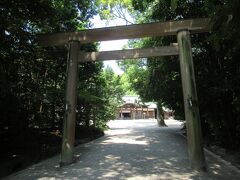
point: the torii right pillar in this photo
(194, 133)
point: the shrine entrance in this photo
(181, 29)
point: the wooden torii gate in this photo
(181, 29)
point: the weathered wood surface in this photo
(126, 32)
(128, 54)
(69, 121)
(194, 134)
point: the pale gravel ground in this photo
(131, 149)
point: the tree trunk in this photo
(160, 115)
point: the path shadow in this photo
(129, 153)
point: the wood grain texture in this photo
(128, 54)
(191, 107)
(126, 32)
(69, 122)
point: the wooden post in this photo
(69, 123)
(121, 117)
(147, 113)
(194, 134)
(134, 113)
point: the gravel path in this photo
(131, 149)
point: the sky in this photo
(110, 45)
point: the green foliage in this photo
(174, 4)
(32, 78)
(216, 64)
(112, 95)
(126, 85)
(216, 59)
(112, 9)
(99, 97)
(134, 75)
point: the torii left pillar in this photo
(69, 121)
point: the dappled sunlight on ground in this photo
(136, 149)
(125, 140)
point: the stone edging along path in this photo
(227, 163)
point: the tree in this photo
(32, 80)
(112, 9)
(216, 63)
(215, 57)
(138, 72)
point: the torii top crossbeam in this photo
(126, 32)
